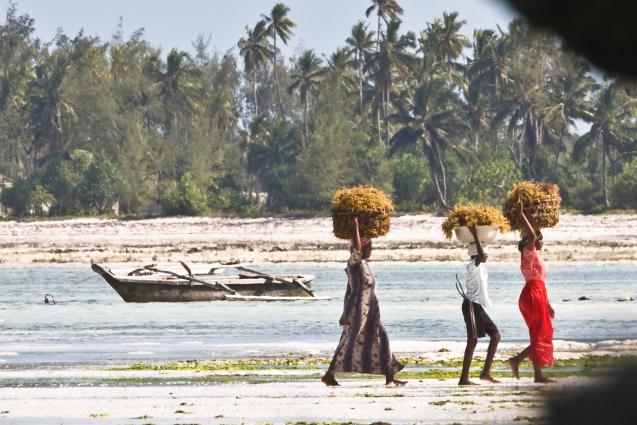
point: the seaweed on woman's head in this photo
(372, 207)
(473, 215)
(540, 201)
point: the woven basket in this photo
(542, 212)
(372, 207)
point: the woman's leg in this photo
(514, 362)
(539, 378)
(466, 363)
(488, 362)
(389, 379)
(329, 379)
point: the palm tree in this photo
(613, 119)
(278, 25)
(488, 68)
(49, 110)
(526, 104)
(486, 72)
(393, 56)
(360, 42)
(444, 44)
(176, 80)
(386, 10)
(255, 51)
(571, 88)
(340, 64)
(431, 117)
(444, 38)
(306, 77)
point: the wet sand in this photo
(277, 390)
(421, 401)
(412, 238)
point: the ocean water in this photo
(90, 323)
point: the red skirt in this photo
(534, 307)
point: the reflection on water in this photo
(90, 322)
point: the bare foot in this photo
(544, 380)
(466, 382)
(489, 378)
(329, 380)
(397, 383)
(515, 367)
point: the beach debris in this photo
(583, 298)
(566, 300)
(371, 206)
(466, 215)
(444, 350)
(540, 202)
(48, 299)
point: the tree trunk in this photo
(254, 94)
(276, 79)
(386, 110)
(380, 137)
(360, 83)
(378, 35)
(305, 122)
(604, 190)
(438, 174)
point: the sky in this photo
(321, 24)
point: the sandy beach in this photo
(421, 401)
(288, 390)
(281, 385)
(412, 238)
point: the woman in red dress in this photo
(534, 305)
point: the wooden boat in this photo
(153, 283)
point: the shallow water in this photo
(90, 322)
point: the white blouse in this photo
(477, 284)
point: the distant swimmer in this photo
(48, 299)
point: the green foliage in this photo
(489, 182)
(625, 188)
(98, 189)
(26, 197)
(185, 197)
(411, 181)
(86, 122)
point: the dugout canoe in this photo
(152, 283)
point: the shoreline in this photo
(280, 391)
(412, 238)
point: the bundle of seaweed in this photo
(540, 203)
(372, 207)
(473, 215)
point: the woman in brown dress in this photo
(364, 346)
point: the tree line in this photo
(433, 118)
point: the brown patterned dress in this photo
(364, 346)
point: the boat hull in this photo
(136, 290)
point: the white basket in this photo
(486, 234)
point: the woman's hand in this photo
(551, 312)
(343, 320)
(355, 221)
